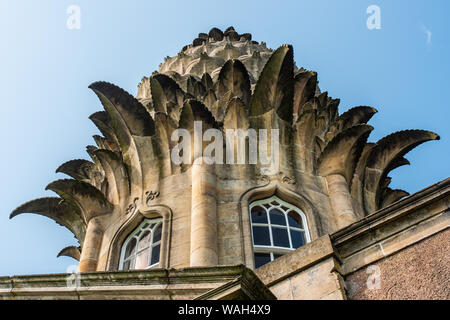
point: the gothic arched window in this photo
(141, 250)
(277, 228)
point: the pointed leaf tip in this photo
(275, 86)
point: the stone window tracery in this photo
(141, 249)
(277, 228)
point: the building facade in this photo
(177, 202)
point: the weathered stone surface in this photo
(143, 284)
(326, 168)
(308, 273)
(246, 287)
(296, 261)
(390, 230)
(320, 281)
(425, 273)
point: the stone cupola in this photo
(200, 212)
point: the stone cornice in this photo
(393, 228)
(246, 287)
(142, 284)
(400, 208)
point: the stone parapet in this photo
(308, 273)
(164, 284)
(394, 228)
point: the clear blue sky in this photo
(46, 68)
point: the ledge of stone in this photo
(296, 261)
(185, 283)
(418, 200)
(393, 228)
(396, 243)
(246, 287)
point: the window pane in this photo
(126, 265)
(155, 254)
(157, 234)
(277, 255)
(297, 238)
(277, 217)
(295, 220)
(259, 215)
(280, 237)
(144, 240)
(142, 259)
(131, 248)
(129, 264)
(261, 236)
(261, 259)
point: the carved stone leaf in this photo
(71, 251)
(234, 77)
(383, 155)
(207, 81)
(165, 125)
(128, 116)
(390, 196)
(236, 115)
(220, 106)
(102, 122)
(305, 128)
(275, 86)
(91, 201)
(159, 99)
(58, 210)
(210, 99)
(342, 153)
(100, 141)
(305, 84)
(194, 110)
(195, 88)
(357, 183)
(116, 173)
(353, 117)
(77, 169)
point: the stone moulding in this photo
(278, 189)
(246, 287)
(311, 272)
(153, 211)
(393, 228)
(297, 261)
(415, 201)
(142, 284)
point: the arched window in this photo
(142, 248)
(277, 228)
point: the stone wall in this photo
(234, 244)
(319, 282)
(154, 284)
(421, 271)
(311, 272)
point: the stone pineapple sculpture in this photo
(227, 81)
